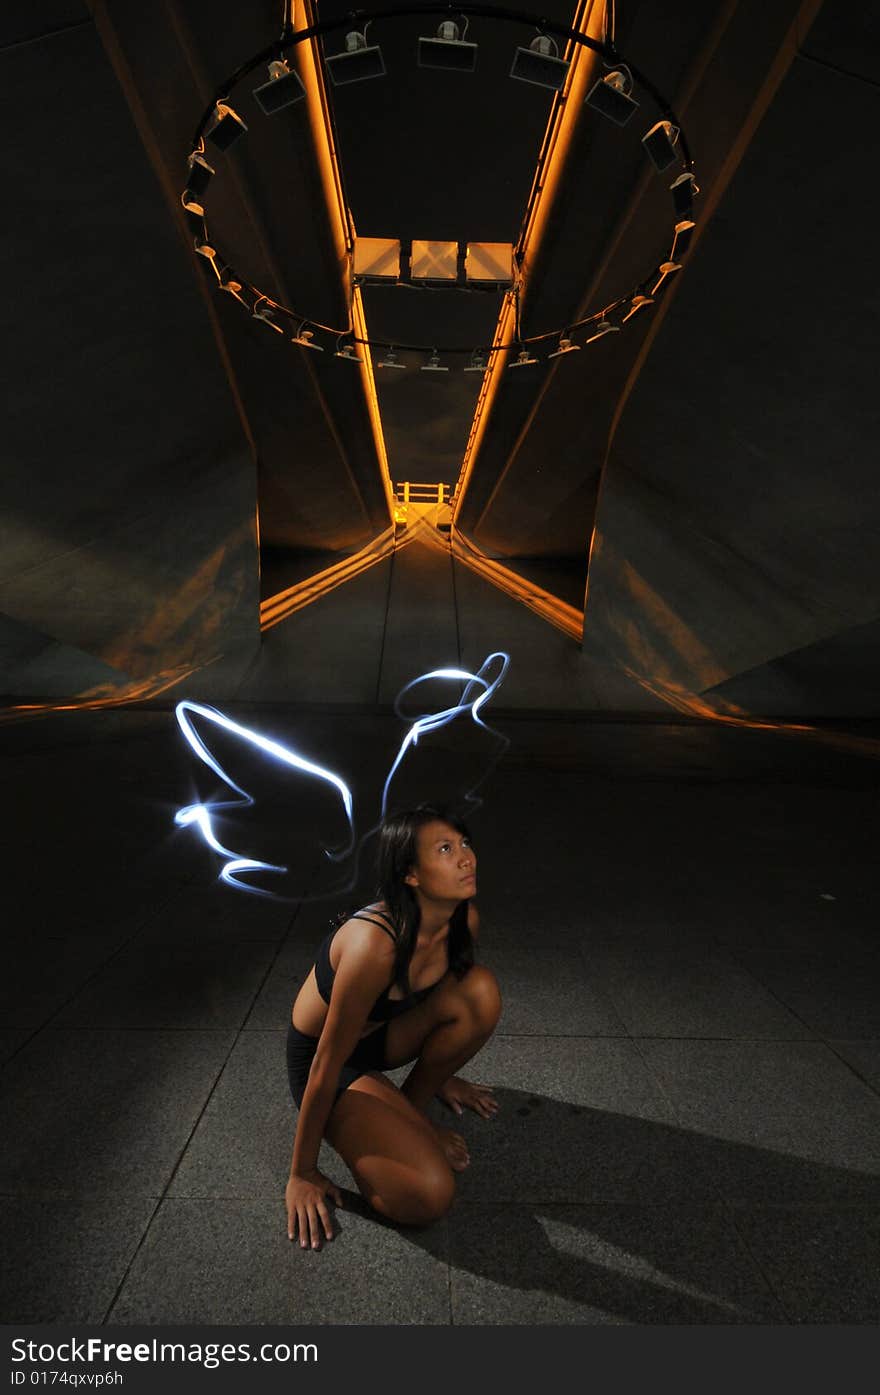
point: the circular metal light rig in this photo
(612, 96)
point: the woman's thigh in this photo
(452, 996)
(391, 1150)
(373, 1115)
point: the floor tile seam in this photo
(756, 1261)
(295, 912)
(186, 1143)
(720, 1204)
(727, 1205)
(94, 974)
(874, 1088)
(684, 1124)
(135, 1027)
(218, 942)
(817, 1036)
(627, 1035)
(182, 1152)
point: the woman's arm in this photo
(365, 969)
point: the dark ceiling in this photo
(713, 462)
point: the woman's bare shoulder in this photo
(366, 931)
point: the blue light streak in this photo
(200, 814)
(478, 689)
(432, 721)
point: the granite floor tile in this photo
(203, 914)
(291, 966)
(835, 993)
(863, 1056)
(598, 1265)
(92, 1113)
(824, 1263)
(231, 1262)
(64, 1260)
(183, 986)
(775, 1120)
(680, 993)
(580, 1120)
(11, 1038)
(548, 987)
(40, 978)
(243, 1142)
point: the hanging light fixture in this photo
(665, 272)
(684, 231)
(231, 282)
(459, 263)
(522, 359)
(305, 338)
(199, 177)
(565, 347)
(348, 350)
(390, 360)
(660, 143)
(684, 190)
(610, 96)
(357, 63)
(477, 363)
(638, 302)
(448, 49)
(226, 128)
(603, 327)
(264, 311)
(540, 64)
(282, 90)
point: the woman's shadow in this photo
(615, 1214)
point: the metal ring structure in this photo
(191, 198)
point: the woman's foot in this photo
(455, 1150)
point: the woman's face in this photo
(446, 864)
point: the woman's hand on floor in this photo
(460, 1094)
(307, 1209)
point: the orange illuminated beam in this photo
(96, 699)
(312, 77)
(564, 114)
(564, 617)
(284, 603)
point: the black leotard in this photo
(384, 1007)
(369, 1053)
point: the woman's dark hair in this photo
(397, 855)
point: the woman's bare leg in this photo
(391, 1151)
(399, 1160)
(450, 1028)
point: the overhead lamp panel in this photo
(660, 143)
(611, 96)
(377, 258)
(226, 127)
(540, 64)
(358, 61)
(448, 50)
(489, 261)
(282, 90)
(434, 261)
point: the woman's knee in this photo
(483, 996)
(425, 1198)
